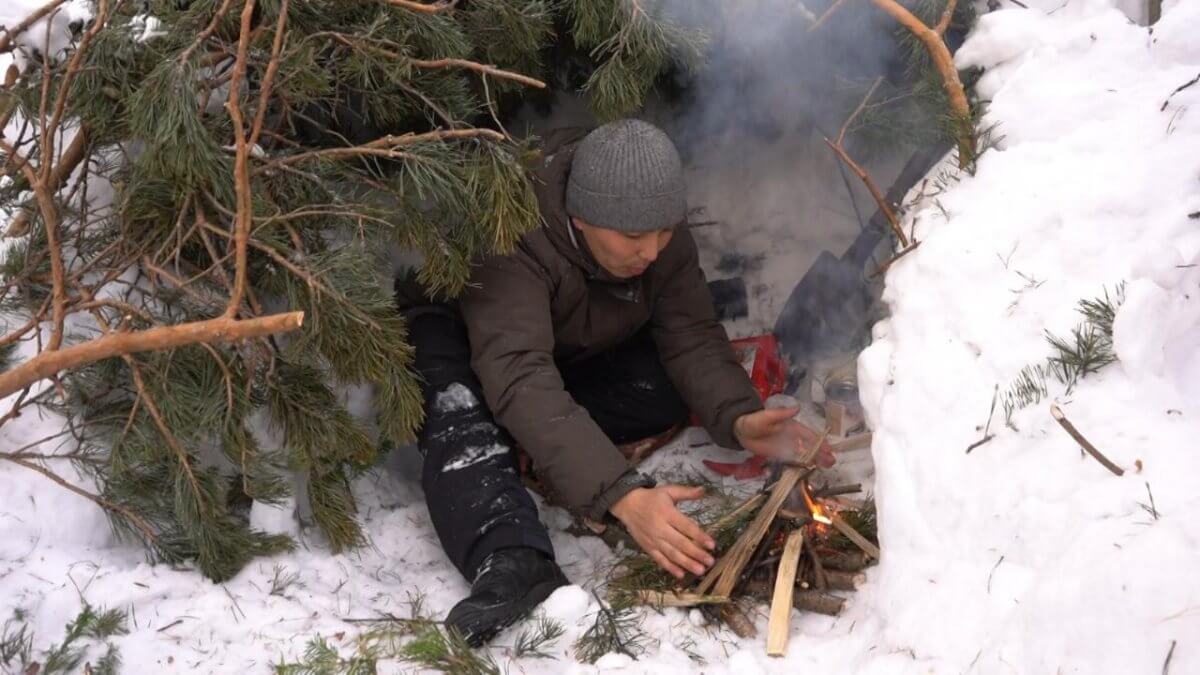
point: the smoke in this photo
(767, 194)
(751, 123)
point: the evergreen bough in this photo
(233, 161)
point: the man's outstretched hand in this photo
(672, 539)
(773, 434)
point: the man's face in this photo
(623, 254)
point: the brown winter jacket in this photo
(549, 301)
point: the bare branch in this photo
(947, 16)
(222, 329)
(481, 68)
(134, 519)
(241, 171)
(424, 8)
(268, 79)
(878, 196)
(207, 32)
(7, 43)
(385, 146)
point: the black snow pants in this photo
(471, 477)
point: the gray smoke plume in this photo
(768, 196)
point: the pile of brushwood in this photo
(789, 544)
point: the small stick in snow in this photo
(989, 583)
(1167, 663)
(1152, 509)
(1058, 415)
(1178, 89)
(986, 436)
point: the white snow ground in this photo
(1021, 557)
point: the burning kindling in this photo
(791, 545)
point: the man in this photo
(597, 330)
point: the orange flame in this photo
(817, 511)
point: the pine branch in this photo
(934, 43)
(613, 630)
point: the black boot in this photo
(510, 583)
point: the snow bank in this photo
(1022, 556)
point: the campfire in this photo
(791, 545)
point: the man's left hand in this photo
(773, 434)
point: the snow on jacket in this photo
(549, 301)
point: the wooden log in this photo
(844, 561)
(779, 626)
(835, 490)
(819, 576)
(759, 589)
(816, 601)
(677, 599)
(845, 581)
(853, 535)
(733, 617)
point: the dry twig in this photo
(1057, 413)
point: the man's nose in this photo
(648, 251)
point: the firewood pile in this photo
(790, 545)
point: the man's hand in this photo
(672, 539)
(774, 434)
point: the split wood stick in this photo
(678, 599)
(722, 582)
(746, 506)
(853, 535)
(844, 561)
(855, 442)
(1058, 415)
(845, 581)
(821, 603)
(779, 626)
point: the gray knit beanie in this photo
(626, 175)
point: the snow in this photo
(1021, 557)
